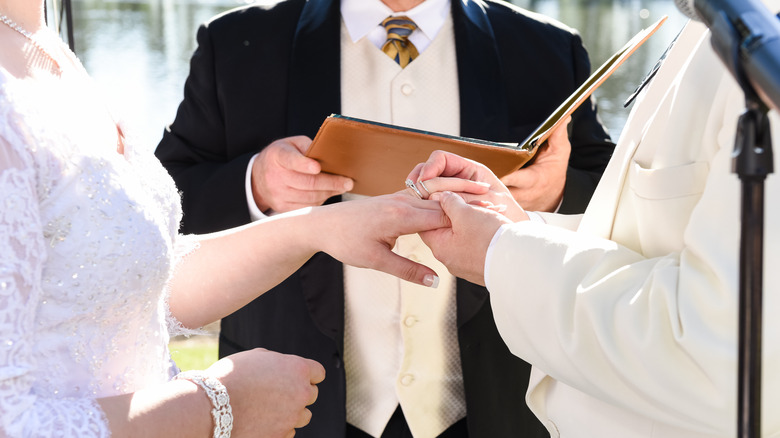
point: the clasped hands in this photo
(476, 204)
(461, 204)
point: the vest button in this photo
(407, 89)
(407, 379)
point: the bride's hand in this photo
(269, 392)
(363, 232)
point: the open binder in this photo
(379, 156)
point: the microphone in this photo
(746, 37)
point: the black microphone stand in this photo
(752, 162)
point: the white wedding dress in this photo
(87, 244)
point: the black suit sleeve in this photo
(193, 149)
(235, 103)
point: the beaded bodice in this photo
(86, 246)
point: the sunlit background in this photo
(138, 51)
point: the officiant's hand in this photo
(539, 187)
(269, 392)
(284, 179)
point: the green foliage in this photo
(196, 353)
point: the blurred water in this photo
(138, 51)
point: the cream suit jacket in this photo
(631, 321)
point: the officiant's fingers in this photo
(301, 142)
(316, 372)
(290, 154)
(303, 419)
(321, 182)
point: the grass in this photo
(195, 352)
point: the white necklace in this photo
(13, 25)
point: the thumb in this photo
(451, 204)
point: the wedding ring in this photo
(414, 188)
(422, 184)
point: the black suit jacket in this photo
(265, 72)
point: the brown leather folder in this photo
(379, 156)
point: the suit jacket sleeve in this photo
(194, 151)
(235, 103)
(647, 323)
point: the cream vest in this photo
(400, 340)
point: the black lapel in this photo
(482, 97)
(315, 67)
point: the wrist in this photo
(215, 391)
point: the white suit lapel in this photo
(599, 217)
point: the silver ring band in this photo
(414, 188)
(422, 184)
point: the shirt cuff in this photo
(254, 211)
(489, 253)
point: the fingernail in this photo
(348, 185)
(431, 281)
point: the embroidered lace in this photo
(87, 243)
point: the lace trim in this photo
(185, 245)
(68, 417)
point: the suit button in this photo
(407, 89)
(407, 379)
(337, 362)
(409, 321)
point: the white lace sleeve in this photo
(23, 412)
(184, 246)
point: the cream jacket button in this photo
(407, 89)
(407, 379)
(410, 321)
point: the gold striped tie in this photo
(398, 47)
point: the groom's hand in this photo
(463, 247)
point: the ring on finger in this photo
(428, 192)
(415, 190)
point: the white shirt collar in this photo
(362, 17)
